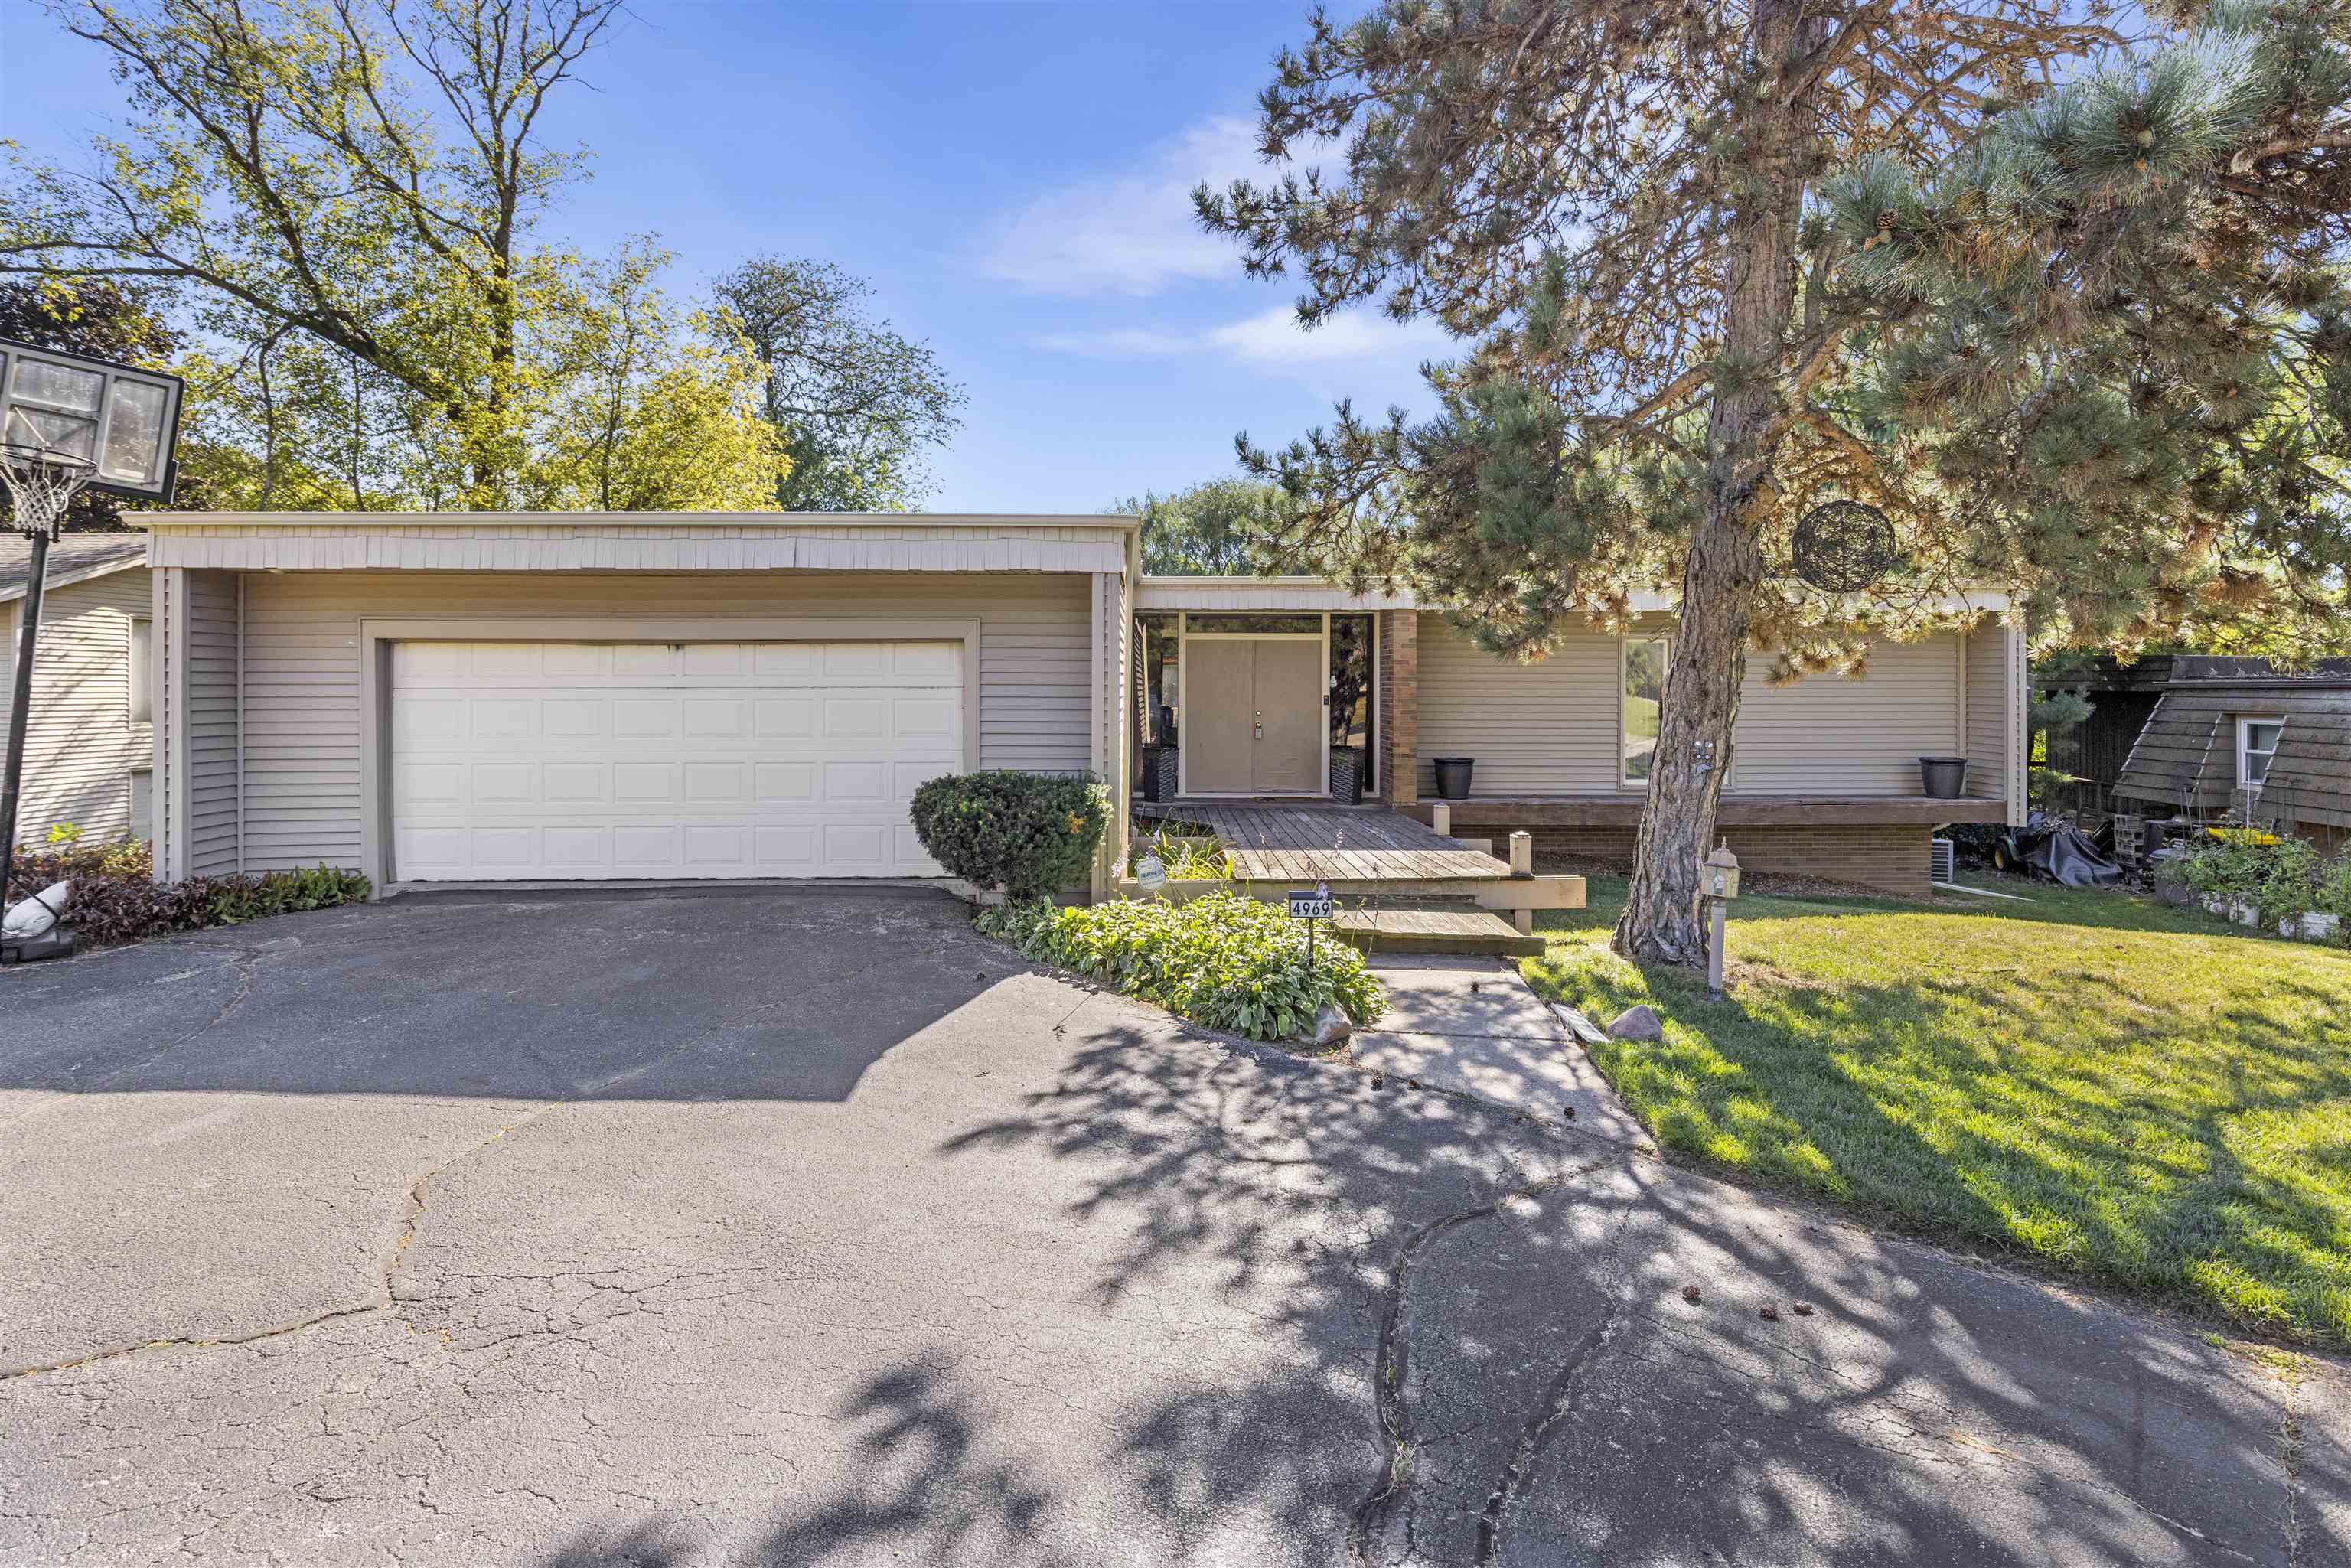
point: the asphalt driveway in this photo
(812, 1229)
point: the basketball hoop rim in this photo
(23, 455)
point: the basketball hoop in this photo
(69, 423)
(42, 483)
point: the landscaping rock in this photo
(1638, 1023)
(1331, 1028)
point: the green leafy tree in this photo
(855, 404)
(1218, 528)
(348, 197)
(1715, 265)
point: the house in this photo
(89, 748)
(2239, 737)
(527, 697)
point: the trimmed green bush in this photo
(1032, 834)
(1221, 959)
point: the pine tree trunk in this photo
(1662, 921)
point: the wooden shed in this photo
(2237, 734)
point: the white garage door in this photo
(516, 760)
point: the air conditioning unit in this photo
(1942, 859)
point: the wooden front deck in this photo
(1346, 846)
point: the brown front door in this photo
(1253, 719)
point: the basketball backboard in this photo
(122, 420)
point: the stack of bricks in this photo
(1890, 857)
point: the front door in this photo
(1254, 719)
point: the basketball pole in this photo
(20, 705)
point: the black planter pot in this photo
(1346, 776)
(1453, 777)
(1943, 777)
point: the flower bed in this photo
(2283, 885)
(116, 899)
(1221, 959)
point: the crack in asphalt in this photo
(244, 962)
(1391, 1362)
(1559, 1404)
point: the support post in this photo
(20, 706)
(1523, 853)
(1440, 817)
(1714, 947)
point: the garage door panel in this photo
(505, 784)
(706, 760)
(639, 783)
(780, 781)
(571, 719)
(644, 719)
(575, 783)
(709, 781)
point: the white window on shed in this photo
(142, 673)
(2257, 744)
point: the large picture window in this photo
(1643, 695)
(2257, 744)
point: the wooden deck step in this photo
(1433, 931)
(1363, 868)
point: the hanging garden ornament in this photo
(1844, 546)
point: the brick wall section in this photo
(1893, 858)
(1400, 706)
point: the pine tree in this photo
(1720, 264)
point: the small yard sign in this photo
(1311, 905)
(1151, 871)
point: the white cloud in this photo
(1132, 233)
(1274, 338)
(1270, 339)
(1119, 343)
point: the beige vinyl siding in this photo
(1830, 735)
(1551, 727)
(80, 745)
(212, 702)
(302, 772)
(1988, 750)
(1545, 728)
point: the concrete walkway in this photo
(1472, 1026)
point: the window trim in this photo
(139, 684)
(1665, 640)
(2245, 723)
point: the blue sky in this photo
(1012, 178)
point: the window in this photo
(1353, 722)
(1256, 625)
(1643, 692)
(142, 671)
(2257, 744)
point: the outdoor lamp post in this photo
(1719, 880)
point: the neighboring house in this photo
(527, 697)
(89, 748)
(2237, 737)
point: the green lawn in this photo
(2131, 1094)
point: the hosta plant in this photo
(1220, 959)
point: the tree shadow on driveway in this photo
(1476, 1347)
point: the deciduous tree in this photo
(1218, 528)
(854, 402)
(349, 196)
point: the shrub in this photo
(1030, 834)
(1221, 959)
(115, 898)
